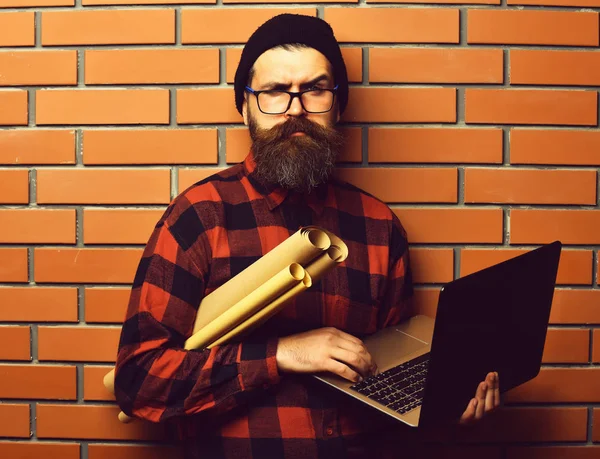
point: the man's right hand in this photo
(325, 349)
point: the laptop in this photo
(495, 319)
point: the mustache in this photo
(285, 130)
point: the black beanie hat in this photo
(290, 29)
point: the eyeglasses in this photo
(276, 101)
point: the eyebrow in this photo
(276, 85)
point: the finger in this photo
(481, 393)
(497, 390)
(343, 371)
(356, 361)
(469, 413)
(360, 350)
(489, 396)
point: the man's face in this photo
(295, 149)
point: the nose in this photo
(296, 108)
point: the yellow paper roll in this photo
(283, 281)
(266, 312)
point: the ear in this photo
(245, 110)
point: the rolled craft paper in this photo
(249, 305)
(301, 247)
(261, 290)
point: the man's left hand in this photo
(486, 400)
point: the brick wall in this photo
(478, 124)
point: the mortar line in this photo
(365, 66)
(221, 146)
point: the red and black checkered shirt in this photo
(231, 401)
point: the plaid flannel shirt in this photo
(231, 401)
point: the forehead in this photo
(290, 66)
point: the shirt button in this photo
(329, 431)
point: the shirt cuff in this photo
(258, 364)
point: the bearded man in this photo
(256, 398)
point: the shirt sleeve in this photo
(398, 303)
(156, 379)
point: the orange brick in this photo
(552, 452)
(102, 106)
(97, 451)
(575, 306)
(352, 150)
(38, 68)
(38, 304)
(530, 186)
(145, 2)
(151, 66)
(28, 3)
(512, 425)
(14, 421)
(91, 422)
(462, 2)
(228, 25)
(17, 29)
(89, 186)
(590, 3)
(150, 146)
(435, 65)
(288, 1)
(89, 344)
(596, 425)
(554, 67)
(106, 305)
(405, 185)
(119, 226)
(188, 177)
(565, 147)
(567, 346)
(559, 385)
(93, 385)
(14, 186)
(196, 106)
(14, 106)
(459, 225)
(37, 226)
(532, 27)
(238, 145)
(529, 106)
(352, 59)
(396, 25)
(419, 105)
(14, 265)
(596, 346)
(425, 301)
(575, 266)
(544, 146)
(101, 266)
(35, 450)
(14, 343)
(55, 382)
(435, 145)
(432, 265)
(541, 226)
(108, 27)
(37, 146)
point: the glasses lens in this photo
(273, 101)
(314, 101)
(317, 100)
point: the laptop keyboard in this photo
(400, 388)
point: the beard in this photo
(299, 163)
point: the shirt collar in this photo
(276, 195)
